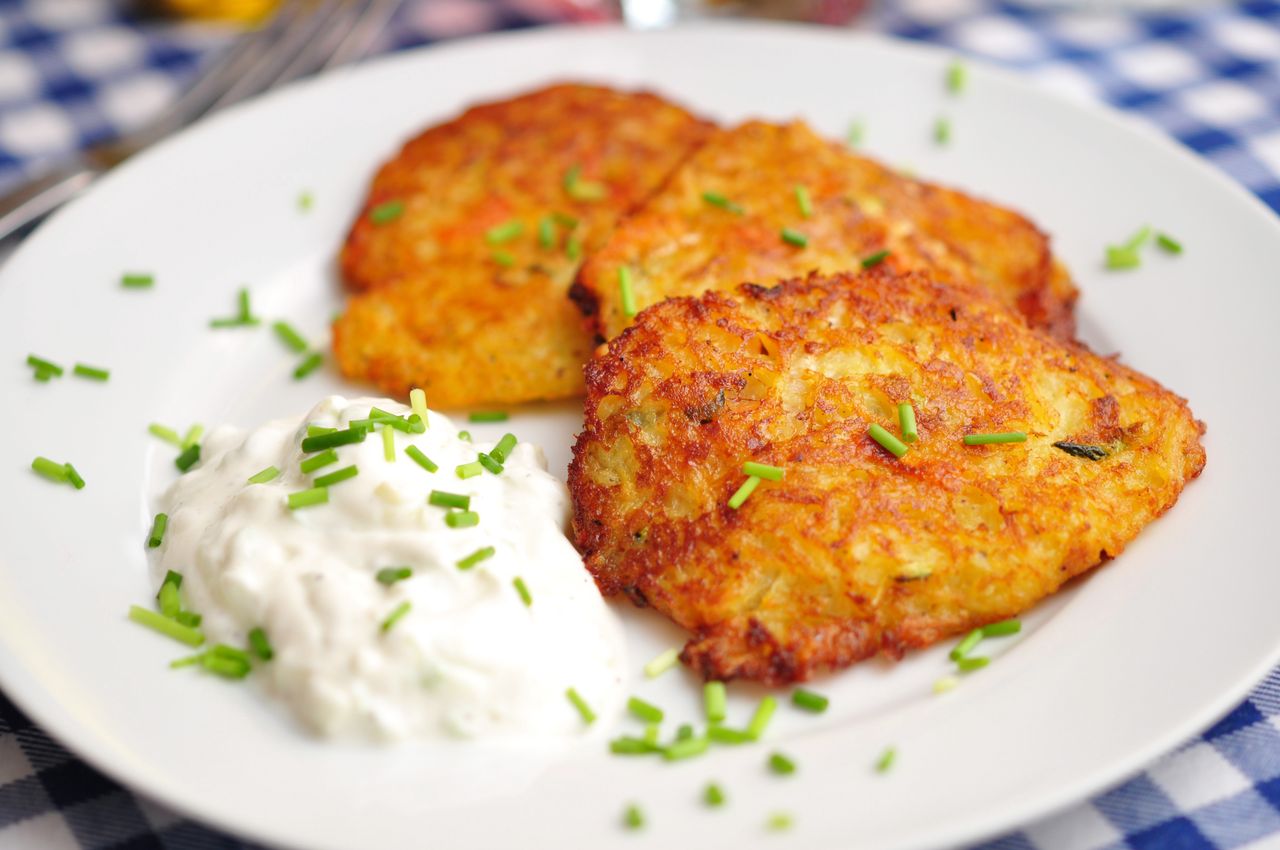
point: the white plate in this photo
(1108, 674)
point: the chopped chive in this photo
(464, 436)
(73, 476)
(227, 668)
(488, 416)
(972, 662)
(629, 745)
(718, 200)
(91, 372)
(565, 220)
(476, 557)
(135, 280)
(394, 616)
(588, 716)
(781, 765)
(627, 292)
(190, 457)
(391, 575)
(489, 463)
(291, 338)
(573, 247)
(990, 439)
(779, 822)
(760, 720)
(242, 298)
(308, 498)
(421, 459)
(443, 499)
(305, 201)
(804, 201)
(316, 461)
(317, 430)
(907, 423)
(684, 732)
(188, 618)
(713, 795)
(1002, 628)
(461, 519)
(333, 439)
(942, 130)
(165, 626)
(688, 748)
(336, 477)
(469, 470)
(744, 491)
(188, 661)
(523, 590)
(194, 433)
(762, 470)
(662, 663)
(503, 258)
(546, 232)
(714, 701)
(887, 441)
(857, 131)
(167, 434)
(260, 645)
(268, 474)
(158, 526)
(43, 375)
(957, 76)
(417, 425)
(1168, 243)
(651, 733)
(1138, 239)
(234, 322)
(633, 817)
(809, 701)
(418, 401)
(171, 577)
(170, 603)
(886, 760)
(644, 711)
(1120, 259)
(725, 735)
(502, 450)
(946, 683)
(504, 232)
(386, 212)
(40, 364)
(51, 470)
(389, 443)
(794, 237)
(311, 363)
(872, 260)
(583, 190)
(966, 646)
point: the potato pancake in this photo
(470, 237)
(855, 551)
(765, 202)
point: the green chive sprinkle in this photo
(464, 436)
(718, 200)
(588, 716)
(684, 732)
(957, 76)
(461, 519)
(804, 201)
(42, 365)
(633, 817)
(386, 212)
(872, 260)
(973, 662)
(887, 441)
(502, 450)
(421, 459)
(713, 795)
(547, 232)
(73, 476)
(504, 232)
(305, 201)
(190, 457)
(644, 711)
(762, 470)
(489, 416)
(51, 470)
(133, 280)
(760, 720)
(629, 745)
(857, 131)
(418, 401)
(167, 434)
(158, 526)
(651, 733)
(886, 760)
(583, 190)
(662, 663)
(243, 299)
(990, 439)
(1002, 628)
(809, 701)
(91, 372)
(317, 430)
(781, 765)
(1168, 243)
(333, 439)
(314, 462)
(573, 247)
(685, 749)
(165, 626)
(291, 338)
(225, 667)
(521, 589)
(714, 701)
(1125, 256)
(221, 650)
(234, 322)
(268, 474)
(389, 443)
(443, 499)
(627, 292)
(489, 463)
(779, 822)
(966, 646)
(260, 645)
(394, 616)
(744, 491)
(391, 575)
(907, 423)
(187, 618)
(565, 220)
(194, 433)
(308, 498)
(469, 470)
(170, 603)
(504, 258)
(794, 237)
(725, 735)
(946, 683)
(337, 476)
(476, 557)
(171, 577)
(311, 363)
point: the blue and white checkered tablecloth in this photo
(77, 71)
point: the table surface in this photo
(73, 72)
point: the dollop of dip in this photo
(468, 658)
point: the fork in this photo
(303, 37)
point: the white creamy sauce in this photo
(469, 659)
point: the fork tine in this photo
(363, 33)
(322, 45)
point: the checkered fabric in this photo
(73, 72)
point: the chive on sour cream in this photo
(463, 656)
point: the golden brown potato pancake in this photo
(471, 236)
(855, 551)
(719, 222)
